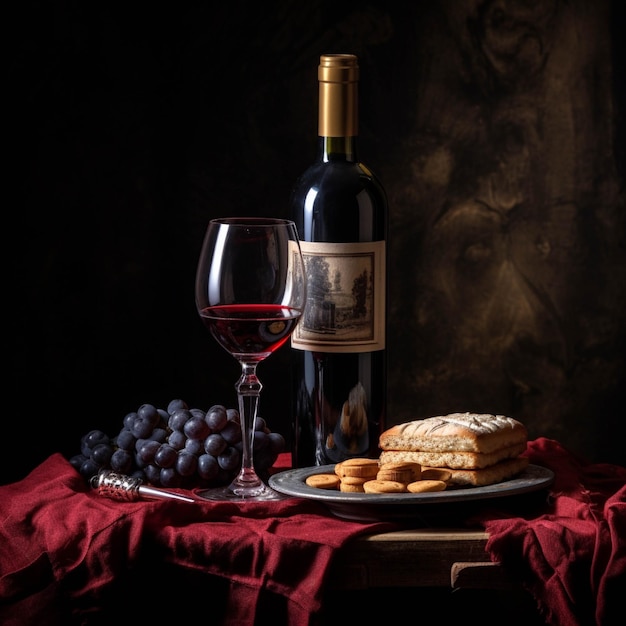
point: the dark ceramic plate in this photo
(392, 506)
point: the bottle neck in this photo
(337, 149)
(338, 120)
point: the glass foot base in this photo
(239, 494)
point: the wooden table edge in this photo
(424, 557)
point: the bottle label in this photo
(345, 309)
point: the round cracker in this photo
(360, 467)
(348, 488)
(354, 480)
(406, 476)
(424, 486)
(323, 481)
(384, 486)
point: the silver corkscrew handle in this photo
(129, 489)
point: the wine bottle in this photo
(339, 358)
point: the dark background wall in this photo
(496, 127)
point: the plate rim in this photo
(533, 478)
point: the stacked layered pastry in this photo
(478, 449)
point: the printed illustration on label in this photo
(345, 309)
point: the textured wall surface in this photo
(497, 128)
(508, 217)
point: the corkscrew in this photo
(129, 489)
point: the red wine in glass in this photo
(251, 330)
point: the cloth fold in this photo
(572, 558)
(56, 534)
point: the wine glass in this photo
(250, 294)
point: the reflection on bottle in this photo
(333, 420)
(350, 437)
(323, 411)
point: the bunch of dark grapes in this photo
(177, 447)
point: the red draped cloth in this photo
(67, 555)
(60, 539)
(572, 558)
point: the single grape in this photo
(85, 448)
(125, 439)
(138, 463)
(177, 440)
(149, 412)
(216, 417)
(159, 434)
(230, 459)
(164, 415)
(196, 428)
(208, 466)
(169, 477)
(259, 423)
(153, 474)
(77, 460)
(176, 404)
(194, 446)
(232, 415)
(231, 432)
(147, 451)
(102, 453)
(277, 443)
(165, 456)
(129, 419)
(142, 427)
(94, 437)
(186, 463)
(89, 468)
(122, 461)
(178, 419)
(198, 413)
(215, 444)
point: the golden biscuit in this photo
(423, 486)
(323, 481)
(383, 486)
(354, 480)
(401, 471)
(405, 476)
(348, 488)
(359, 467)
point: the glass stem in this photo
(248, 392)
